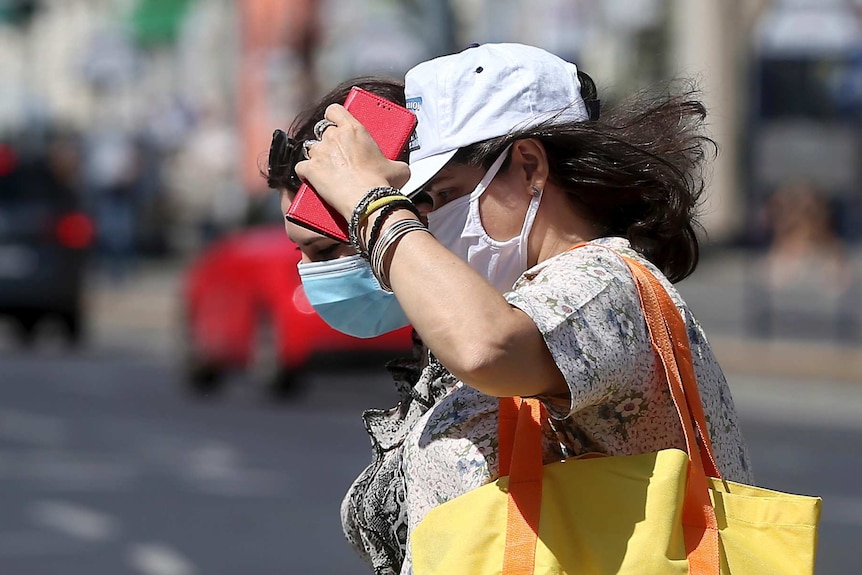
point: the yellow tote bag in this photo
(662, 513)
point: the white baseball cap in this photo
(484, 92)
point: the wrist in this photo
(399, 223)
(358, 215)
(361, 187)
(374, 224)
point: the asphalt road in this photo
(107, 468)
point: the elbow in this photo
(486, 367)
(518, 364)
(505, 357)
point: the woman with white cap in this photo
(521, 168)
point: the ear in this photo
(529, 162)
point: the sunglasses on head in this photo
(281, 160)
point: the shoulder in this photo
(597, 263)
(593, 276)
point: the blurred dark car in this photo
(245, 308)
(44, 242)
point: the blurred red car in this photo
(244, 305)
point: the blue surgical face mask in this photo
(345, 293)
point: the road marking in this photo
(247, 483)
(158, 559)
(215, 469)
(842, 510)
(31, 428)
(213, 461)
(74, 520)
(68, 470)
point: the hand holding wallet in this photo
(389, 125)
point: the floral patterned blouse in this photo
(586, 306)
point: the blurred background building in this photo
(174, 100)
(165, 108)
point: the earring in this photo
(536, 191)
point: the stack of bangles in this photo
(386, 199)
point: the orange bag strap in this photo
(520, 449)
(682, 352)
(665, 325)
(675, 328)
(507, 421)
(525, 487)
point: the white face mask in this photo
(458, 226)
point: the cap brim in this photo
(421, 171)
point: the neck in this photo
(558, 227)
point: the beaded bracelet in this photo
(384, 213)
(390, 237)
(359, 210)
(377, 204)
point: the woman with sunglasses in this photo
(329, 266)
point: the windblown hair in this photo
(636, 172)
(284, 177)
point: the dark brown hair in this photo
(284, 175)
(635, 172)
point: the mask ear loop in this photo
(529, 220)
(490, 174)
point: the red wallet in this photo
(389, 125)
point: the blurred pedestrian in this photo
(805, 275)
(336, 279)
(207, 196)
(804, 246)
(113, 168)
